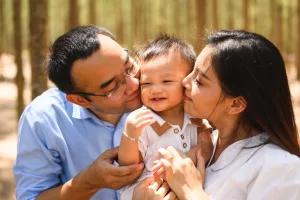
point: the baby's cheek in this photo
(144, 97)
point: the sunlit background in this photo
(28, 27)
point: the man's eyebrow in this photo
(127, 58)
(105, 84)
(203, 74)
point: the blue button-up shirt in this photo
(56, 141)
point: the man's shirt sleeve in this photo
(37, 167)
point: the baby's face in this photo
(161, 81)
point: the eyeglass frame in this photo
(126, 73)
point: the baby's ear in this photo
(79, 100)
(237, 106)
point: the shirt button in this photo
(182, 136)
(184, 145)
(176, 130)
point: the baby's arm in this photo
(204, 142)
(128, 151)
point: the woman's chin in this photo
(188, 110)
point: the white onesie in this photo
(161, 134)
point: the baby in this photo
(162, 122)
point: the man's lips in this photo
(186, 98)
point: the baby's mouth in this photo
(158, 99)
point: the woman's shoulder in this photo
(273, 154)
(275, 161)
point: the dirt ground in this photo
(8, 121)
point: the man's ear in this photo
(79, 100)
(237, 105)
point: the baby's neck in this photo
(174, 116)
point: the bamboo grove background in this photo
(28, 27)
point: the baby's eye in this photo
(143, 84)
(167, 81)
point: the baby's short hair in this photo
(161, 46)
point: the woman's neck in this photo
(230, 132)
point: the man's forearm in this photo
(76, 188)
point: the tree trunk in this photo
(19, 79)
(73, 14)
(92, 11)
(230, 14)
(277, 24)
(162, 16)
(1, 37)
(120, 22)
(177, 12)
(136, 20)
(200, 22)
(246, 14)
(298, 41)
(215, 18)
(38, 44)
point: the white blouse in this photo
(261, 173)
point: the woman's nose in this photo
(187, 81)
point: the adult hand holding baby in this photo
(181, 174)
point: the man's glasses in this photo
(121, 86)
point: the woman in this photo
(240, 85)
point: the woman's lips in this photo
(186, 98)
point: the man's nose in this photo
(132, 84)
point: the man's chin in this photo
(133, 105)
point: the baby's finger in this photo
(156, 166)
(144, 123)
(155, 162)
(170, 196)
(160, 171)
(165, 153)
(161, 176)
(141, 112)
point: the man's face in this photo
(100, 73)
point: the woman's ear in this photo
(79, 100)
(237, 105)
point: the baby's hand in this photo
(158, 170)
(136, 121)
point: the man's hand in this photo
(103, 174)
(100, 174)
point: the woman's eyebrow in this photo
(202, 74)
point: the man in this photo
(63, 131)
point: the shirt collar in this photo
(160, 126)
(81, 113)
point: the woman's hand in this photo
(181, 174)
(149, 189)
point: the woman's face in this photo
(203, 95)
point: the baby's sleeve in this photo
(143, 142)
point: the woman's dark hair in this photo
(79, 43)
(249, 65)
